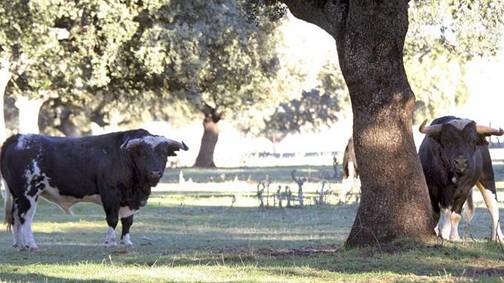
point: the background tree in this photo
(214, 58)
(26, 41)
(321, 106)
(443, 36)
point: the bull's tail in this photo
(468, 208)
(8, 217)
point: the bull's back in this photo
(69, 166)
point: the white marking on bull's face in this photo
(460, 124)
(126, 212)
(153, 141)
(126, 240)
(110, 238)
(23, 141)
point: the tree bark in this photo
(370, 39)
(29, 110)
(208, 143)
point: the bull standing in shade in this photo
(455, 157)
(116, 170)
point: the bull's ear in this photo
(481, 140)
(471, 134)
(131, 145)
(174, 146)
(432, 131)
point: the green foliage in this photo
(316, 108)
(95, 56)
(460, 29)
(209, 53)
(442, 37)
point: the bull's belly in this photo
(65, 202)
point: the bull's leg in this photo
(26, 227)
(112, 219)
(490, 198)
(17, 233)
(445, 222)
(126, 223)
(455, 220)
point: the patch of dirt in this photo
(305, 251)
(490, 272)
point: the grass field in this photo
(214, 232)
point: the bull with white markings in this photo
(116, 170)
(455, 158)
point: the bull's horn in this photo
(489, 131)
(177, 145)
(429, 130)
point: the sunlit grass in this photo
(195, 232)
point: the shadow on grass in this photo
(277, 241)
(36, 277)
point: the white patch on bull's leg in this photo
(491, 202)
(445, 222)
(26, 227)
(126, 212)
(110, 238)
(17, 233)
(126, 240)
(455, 220)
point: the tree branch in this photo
(324, 13)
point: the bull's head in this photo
(458, 140)
(149, 155)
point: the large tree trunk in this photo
(29, 109)
(370, 39)
(208, 142)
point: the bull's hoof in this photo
(32, 248)
(126, 241)
(128, 244)
(109, 244)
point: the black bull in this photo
(116, 170)
(455, 158)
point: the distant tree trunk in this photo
(29, 109)
(370, 39)
(205, 157)
(5, 77)
(67, 127)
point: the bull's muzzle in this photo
(460, 164)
